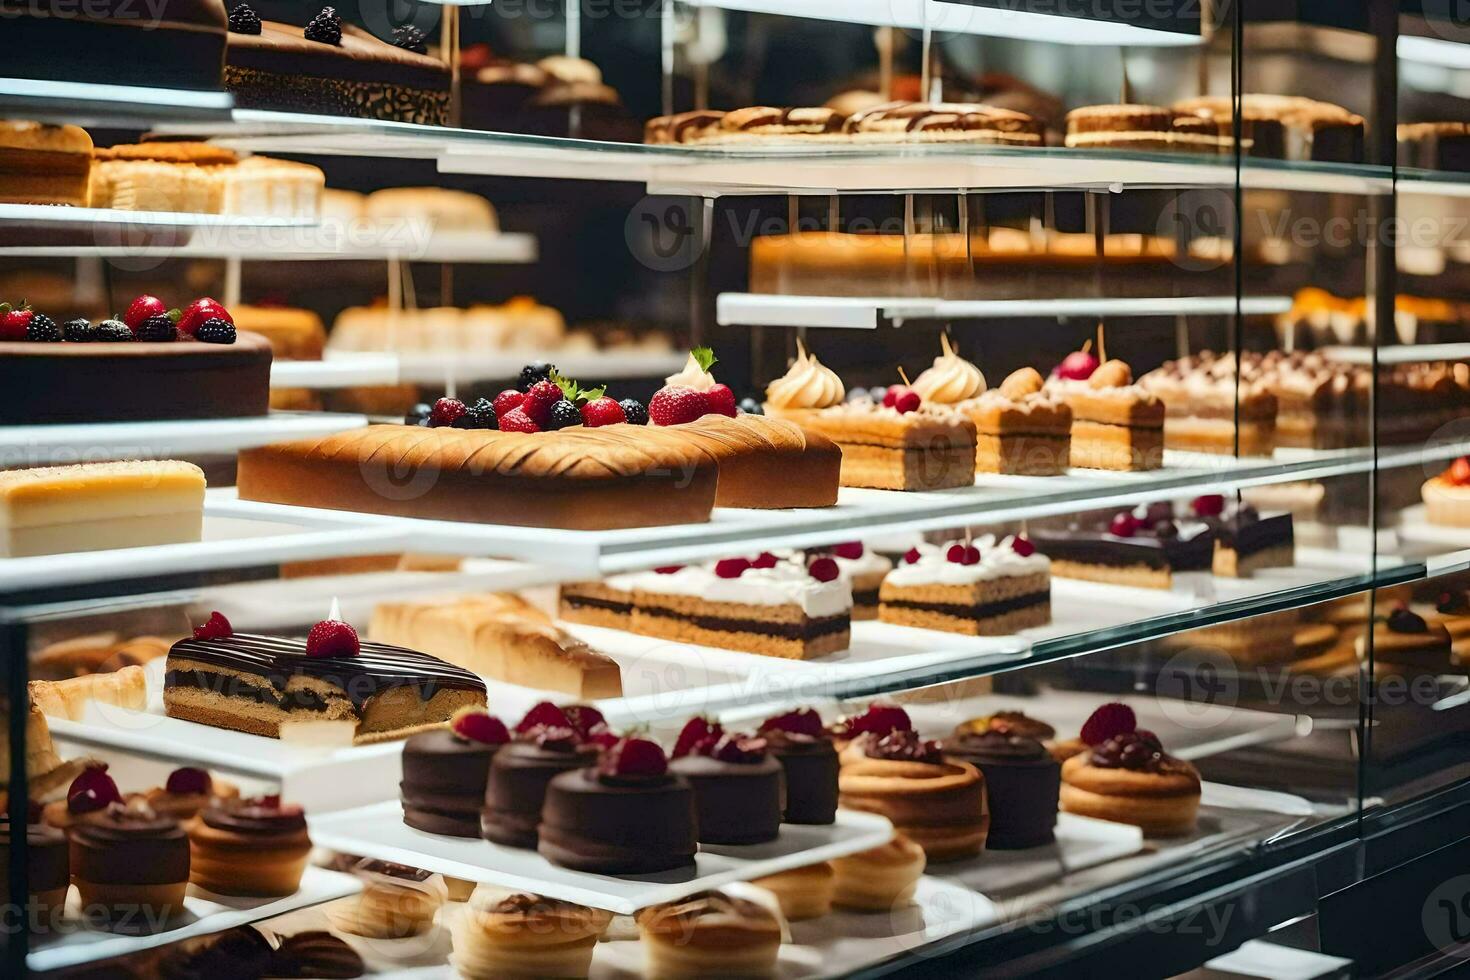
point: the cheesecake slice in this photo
(97, 506)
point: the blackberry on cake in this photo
(215, 331)
(158, 329)
(244, 19)
(43, 329)
(418, 415)
(563, 415)
(634, 411)
(1146, 546)
(114, 331)
(79, 331)
(988, 588)
(325, 27)
(534, 372)
(410, 38)
(480, 415)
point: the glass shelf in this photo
(87, 104)
(53, 216)
(310, 243)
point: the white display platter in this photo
(1081, 843)
(206, 914)
(44, 445)
(379, 831)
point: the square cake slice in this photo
(931, 448)
(96, 506)
(1145, 547)
(987, 588)
(1116, 425)
(1022, 429)
(607, 603)
(251, 683)
(781, 610)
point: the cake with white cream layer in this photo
(983, 588)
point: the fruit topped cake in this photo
(1211, 406)
(1447, 496)
(1124, 775)
(1146, 546)
(252, 683)
(151, 363)
(1116, 425)
(1246, 540)
(899, 442)
(333, 68)
(864, 568)
(739, 785)
(983, 588)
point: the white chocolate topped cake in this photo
(982, 588)
(97, 506)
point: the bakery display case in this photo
(736, 487)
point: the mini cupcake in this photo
(738, 789)
(128, 861)
(445, 771)
(89, 795)
(709, 934)
(253, 848)
(878, 719)
(878, 880)
(515, 935)
(809, 759)
(49, 873)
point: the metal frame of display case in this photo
(1265, 882)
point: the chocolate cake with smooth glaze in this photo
(1022, 784)
(443, 786)
(809, 761)
(519, 775)
(133, 382)
(279, 68)
(739, 790)
(252, 683)
(617, 825)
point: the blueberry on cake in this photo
(984, 588)
(251, 683)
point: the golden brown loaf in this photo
(580, 479)
(767, 463)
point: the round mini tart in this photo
(519, 775)
(1407, 640)
(939, 804)
(739, 789)
(878, 880)
(1022, 785)
(509, 934)
(249, 848)
(804, 893)
(445, 772)
(1130, 779)
(809, 760)
(710, 934)
(627, 815)
(128, 861)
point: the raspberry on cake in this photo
(989, 588)
(1143, 547)
(903, 446)
(1245, 539)
(1116, 425)
(865, 569)
(786, 610)
(252, 683)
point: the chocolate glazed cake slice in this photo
(252, 683)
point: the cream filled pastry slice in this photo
(97, 506)
(984, 588)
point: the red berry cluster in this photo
(962, 554)
(902, 399)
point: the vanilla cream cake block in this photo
(780, 611)
(986, 588)
(98, 506)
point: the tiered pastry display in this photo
(127, 860)
(252, 848)
(96, 506)
(900, 443)
(939, 804)
(1209, 409)
(172, 44)
(629, 814)
(445, 771)
(1246, 540)
(201, 178)
(1116, 424)
(710, 934)
(333, 68)
(804, 748)
(1447, 496)
(504, 934)
(739, 786)
(154, 363)
(982, 588)
(1143, 547)
(781, 608)
(42, 164)
(501, 637)
(1123, 774)
(1022, 781)
(252, 683)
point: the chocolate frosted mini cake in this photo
(809, 758)
(1022, 783)
(1245, 539)
(1143, 547)
(738, 789)
(252, 683)
(546, 745)
(344, 72)
(445, 771)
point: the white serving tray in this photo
(207, 913)
(1081, 843)
(379, 831)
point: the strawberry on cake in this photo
(768, 606)
(985, 588)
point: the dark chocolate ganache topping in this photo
(997, 744)
(377, 668)
(1402, 620)
(264, 815)
(1137, 751)
(901, 746)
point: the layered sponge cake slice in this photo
(96, 506)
